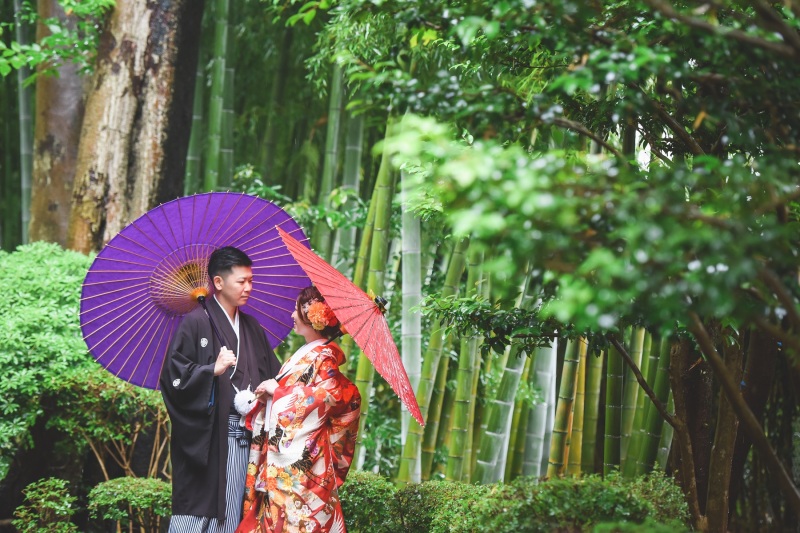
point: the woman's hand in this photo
(266, 387)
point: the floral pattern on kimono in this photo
(293, 479)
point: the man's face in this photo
(234, 287)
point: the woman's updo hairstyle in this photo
(310, 301)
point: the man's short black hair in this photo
(223, 260)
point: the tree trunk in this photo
(59, 113)
(682, 356)
(132, 153)
(759, 372)
(720, 469)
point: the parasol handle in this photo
(202, 300)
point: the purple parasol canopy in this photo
(147, 277)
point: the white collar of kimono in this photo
(235, 322)
(296, 356)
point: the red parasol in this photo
(361, 316)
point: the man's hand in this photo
(225, 359)
(266, 387)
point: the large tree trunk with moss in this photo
(59, 114)
(138, 115)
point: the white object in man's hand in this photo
(225, 359)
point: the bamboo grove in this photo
(584, 217)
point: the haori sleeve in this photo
(185, 381)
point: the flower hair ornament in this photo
(319, 314)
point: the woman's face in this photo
(300, 327)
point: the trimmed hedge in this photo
(372, 504)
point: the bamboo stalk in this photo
(321, 239)
(541, 378)
(214, 138)
(343, 253)
(464, 405)
(594, 378)
(493, 450)
(630, 393)
(562, 426)
(226, 162)
(411, 326)
(362, 260)
(611, 447)
(654, 423)
(410, 467)
(519, 424)
(375, 283)
(436, 422)
(25, 130)
(665, 441)
(576, 439)
(193, 174)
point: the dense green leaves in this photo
(617, 244)
(40, 340)
(63, 42)
(48, 507)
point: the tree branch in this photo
(652, 142)
(784, 296)
(668, 11)
(662, 409)
(583, 130)
(672, 124)
(778, 333)
(775, 22)
(749, 422)
(777, 202)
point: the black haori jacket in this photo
(199, 437)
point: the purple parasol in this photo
(149, 275)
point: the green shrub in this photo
(649, 525)
(456, 502)
(48, 506)
(367, 501)
(420, 506)
(95, 407)
(40, 337)
(665, 498)
(612, 505)
(136, 501)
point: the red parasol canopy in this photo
(361, 316)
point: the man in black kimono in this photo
(199, 380)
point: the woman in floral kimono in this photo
(311, 418)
